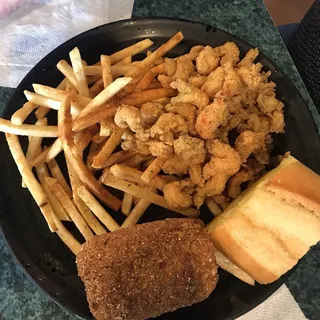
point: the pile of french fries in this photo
(86, 100)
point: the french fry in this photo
(134, 175)
(136, 160)
(166, 179)
(60, 94)
(146, 164)
(136, 213)
(85, 140)
(118, 157)
(93, 151)
(70, 88)
(131, 87)
(97, 138)
(49, 102)
(78, 69)
(42, 173)
(65, 128)
(55, 149)
(106, 70)
(41, 158)
(224, 205)
(41, 112)
(149, 76)
(145, 194)
(105, 95)
(93, 71)
(106, 127)
(34, 147)
(117, 71)
(163, 101)
(92, 80)
(124, 61)
(155, 84)
(22, 114)
(134, 63)
(136, 200)
(96, 88)
(159, 61)
(49, 153)
(153, 169)
(57, 174)
(97, 209)
(141, 97)
(160, 52)
(65, 68)
(67, 238)
(131, 50)
(70, 208)
(30, 180)
(62, 85)
(86, 213)
(28, 129)
(213, 207)
(126, 205)
(113, 141)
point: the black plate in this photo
(45, 259)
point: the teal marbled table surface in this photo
(247, 19)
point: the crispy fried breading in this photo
(160, 149)
(190, 149)
(277, 122)
(229, 52)
(248, 59)
(186, 110)
(189, 94)
(195, 173)
(129, 116)
(234, 184)
(267, 100)
(197, 80)
(178, 194)
(151, 111)
(249, 142)
(168, 127)
(251, 75)
(210, 118)
(207, 61)
(175, 165)
(214, 82)
(232, 84)
(224, 159)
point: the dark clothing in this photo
(305, 51)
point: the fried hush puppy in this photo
(149, 269)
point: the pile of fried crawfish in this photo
(214, 135)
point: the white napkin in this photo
(39, 26)
(280, 306)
